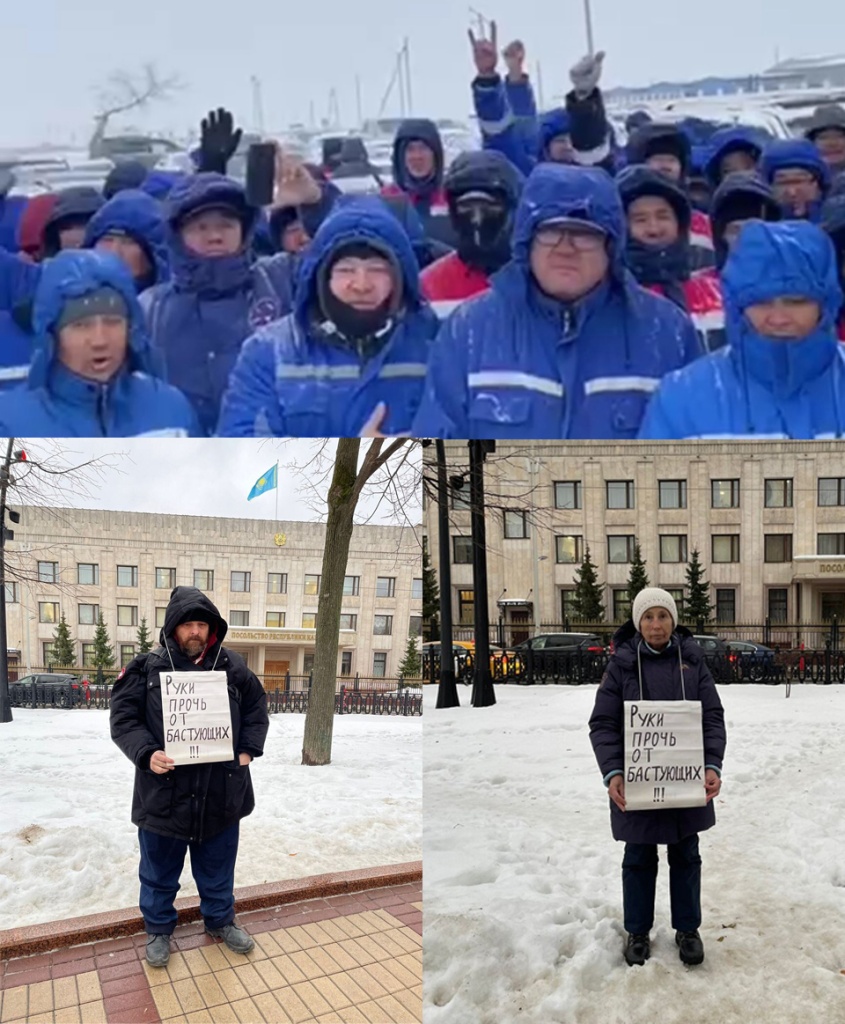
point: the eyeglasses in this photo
(580, 240)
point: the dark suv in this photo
(717, 655)
(588, 643)
(562, 657)
(61, 689)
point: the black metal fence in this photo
(575, 668)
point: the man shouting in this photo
(196, 806)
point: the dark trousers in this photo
(213, 868)
(639, 882)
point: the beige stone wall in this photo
(187, 543)
(522, 476)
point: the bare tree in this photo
(124, 92)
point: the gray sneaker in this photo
(235, 938)
(158, 950)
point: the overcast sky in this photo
(191, 477)
(55, 52)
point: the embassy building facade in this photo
(767, 518)
(263, 576)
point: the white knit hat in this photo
(653, 597)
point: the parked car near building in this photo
(754, 661)
(58, 689)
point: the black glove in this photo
(219, 140)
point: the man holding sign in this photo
(658, 733)
(190, 716)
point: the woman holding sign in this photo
(658, 733)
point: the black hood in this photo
(188, 599)
(654, 138)
(639, 180)
(739, 193)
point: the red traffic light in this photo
(19, 456)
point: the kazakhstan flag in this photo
(268, 482)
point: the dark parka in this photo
(661, 681)
(191, 802)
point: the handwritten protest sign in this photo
(197, 717)
(664, 754)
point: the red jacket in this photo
(449, 281)
(703, 294)
(701, 240)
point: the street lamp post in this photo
(447, 691)
(5, 534)
(483, 694)
(588, 17)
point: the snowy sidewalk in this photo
(338, 960)
(523, 879)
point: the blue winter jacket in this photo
(426, 196)
(755, 386)
(138, 215)
(294, 380)
(513, 363)
(200, 318)
(57, 403)
(788, 154)
(15, 351)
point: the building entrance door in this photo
(833, 606)
(274, 674)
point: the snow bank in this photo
(67, 846)
(522, 884)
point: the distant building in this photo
(805, 73)
(263, 576)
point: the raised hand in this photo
(219, 140)
(585, 75)
(514, 54)
(485, 52)
(294, 184)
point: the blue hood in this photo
(560, 190)
(159, 184)
(484, 169)
(363, 219)
(139, 216)
(798, 153)
(726, 141)
(73, 273)
(553, 123)
(771, 260)
(425, 131)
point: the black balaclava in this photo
(364, 329)
(483, 244)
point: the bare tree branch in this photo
(124, 92)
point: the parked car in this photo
(754, 661)
(717, 654)
(59, 688)
(588, 643)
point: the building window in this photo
(516, 525)
(726, 548)
(238, 618)
(726, 605)
(620, 493)
(47, 652)
(127, 575)
(348, 621)
(160, 614)
(127, 615)
(88, 656)
(673, 548)
(386, 586)
(351, 586)
(778, 493)
(277, 582)
(831, 491)
(778, 547)
(462, 550)
(460, 499)
(165, 579)
(621, 548)
(673, 493)
(48, 572)
(382, 625)
(88, 574)
(308, 662)
(778, 604)
(240, 582)
(89, 614)
(567, 605)
(48, 611)
(346, 663)
(274, 620)
(466, 607)
(724, 493)
(204, 579)
(621, 605)
(568, 494)
(127, 653)
(831, 544)
(11, 593)
(379, 664)
(312, 584)
(416, 589)
(569, 549)
(309, 620)
(415, 625)
(678, 595)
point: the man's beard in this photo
(192, 648)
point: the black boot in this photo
(637, 950)
(691, 947)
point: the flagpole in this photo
(277, 492)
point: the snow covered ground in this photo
(522, 882)
(67, 846)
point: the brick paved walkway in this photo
(339, 960)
